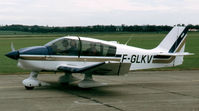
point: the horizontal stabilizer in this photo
(175, 54)
(72, 69)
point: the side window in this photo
(65, 46)
(109, 50)
(90, 49)
(97, 49)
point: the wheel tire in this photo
(29, 88)
(64, 84)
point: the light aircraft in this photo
(88, 56)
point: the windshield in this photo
(64, 46)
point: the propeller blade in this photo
(12, 46)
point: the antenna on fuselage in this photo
(128, 41)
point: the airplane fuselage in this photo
(137, 58)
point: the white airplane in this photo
(90, 56)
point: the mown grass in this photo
(143, 40)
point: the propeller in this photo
(14, 54)
(12, 47)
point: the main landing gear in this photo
(67, 79)
(87, 82)
(32, 81)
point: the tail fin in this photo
(174, 41)
(173, 46)
(169, 52)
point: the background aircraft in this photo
(89, 56)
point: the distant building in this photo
(193, 30)
(119, 28)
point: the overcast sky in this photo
(102, 12)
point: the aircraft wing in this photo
(73, 69)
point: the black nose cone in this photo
(13, 55)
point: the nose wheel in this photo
(32, 81)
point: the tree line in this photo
(95, 28)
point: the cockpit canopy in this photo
(75, 46)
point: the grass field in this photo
(143, 40)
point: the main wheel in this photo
(29, 88)
(64, 84)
